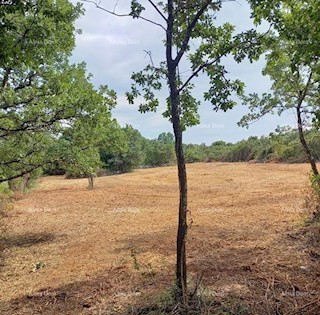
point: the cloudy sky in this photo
(114, 47)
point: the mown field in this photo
(108, 251)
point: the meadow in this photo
(69, 250)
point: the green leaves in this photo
(36, 33)
(149, 80)
(296, 22)
(136, 9)
(43, 97)
(259, 106)
(292, 63)
(211, 43)
(221, 88)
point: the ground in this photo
(69, 250)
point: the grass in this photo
(112, 250)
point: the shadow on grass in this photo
(272, 274)
(111, 292)
(8, 241)
(27, 240)
(238, 279)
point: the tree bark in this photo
(304, 144)
(181, 265)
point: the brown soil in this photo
(69, 250)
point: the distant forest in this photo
(135, 151)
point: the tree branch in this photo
(29, 125)
(6, 77)
(20, 174)
(27, 82)
(207, 64)
(189, 32)
(16, 104)
(157, 9)
(169, 33)
(123, 15)
(204, 65)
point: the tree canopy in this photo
(42, 95)
(292, 63)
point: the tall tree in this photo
(292, 63)
(42, 96)
(36, 39)
(182, 22)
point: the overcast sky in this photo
(114, 47)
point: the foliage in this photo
(293, 65)
(51, 116)
(127, 155)
(196, 23)
(161, 151)
(195, 153)
(37, 86)
(282, 145)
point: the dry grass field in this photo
(108, 251)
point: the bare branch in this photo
(148, 53)
(123, 15)
(114, 8)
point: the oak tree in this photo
(42, 95)
(183, 22)
(292, 63)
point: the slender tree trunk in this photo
(181, 266)
(90, 179)
(25, 182)
(304, 144)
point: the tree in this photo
(49, 110)
(78, 149)
(183, 21)
(126, 153)
(194, 153)
(166, 137)
(160, 152)
(292, 63)
(37, 91)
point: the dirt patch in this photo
(100, 251)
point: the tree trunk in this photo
(181, 266)
(25, 182)
(90, 179)
(304, 144)
(20, 183)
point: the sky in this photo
(115, 47)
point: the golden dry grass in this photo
(115, 246)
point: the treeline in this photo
(135, 151)
(283, 145)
